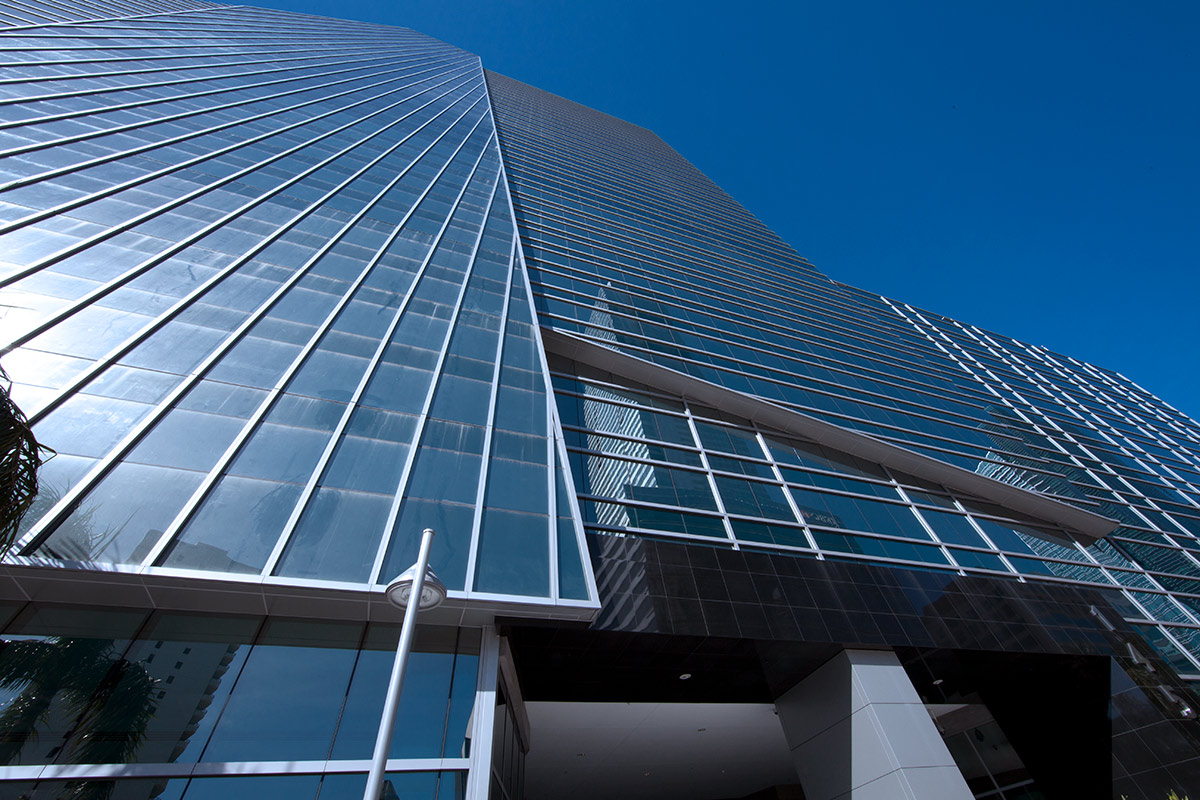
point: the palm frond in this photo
(20, 458)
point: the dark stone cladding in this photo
(662, 587)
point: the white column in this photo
(483, 717)
(858, 731)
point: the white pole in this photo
(383, 741)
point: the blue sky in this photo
(1032, 168)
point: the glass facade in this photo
(631, 248)
(281, 291)
(260, 275)
(174, 692)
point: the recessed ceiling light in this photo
(685, 676)
(938, 682)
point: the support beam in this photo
(858, 731)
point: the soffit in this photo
(1085, 525)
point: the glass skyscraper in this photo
(281, 291)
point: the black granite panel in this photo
(773, 598)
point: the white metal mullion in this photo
(184, 770)
(1187, 611)
(1162, 592)
(192, 41)
(310, 58)
(1152, 505)
(1035, 377)
(553, 428)
(105, 19)
(251, 424)
(97, 161)
(33, 12)
(1187, 554)
(787, 494)
(101, 90)
(978, 529)
(69, 205)
(708, 474)
(772, 374)
(551, 489)
(970, 365)
(1138, 604)
(434, 380)
(159, 58)
(966, 365)
(552, 431)
(1064, 435)
(134, 272)
(489, 425)
(902, 435)
(708, 513)
(1178, 646)
(652, 533)
(173, 117)
(576, 513)
(958, 506)
(258, 39)
(50, 521)
(105, 361)
(928, 528)
(43, 9)
(335, 436)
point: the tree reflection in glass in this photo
(107, 700)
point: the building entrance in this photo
(608, 714)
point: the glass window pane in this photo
(953, 528)
(754, 499)
(108, 527)
(976, 559)
(514, 553)
(286, 702)
(631, 516)
(235, 527)
(260, 787)
(769, 534)
(421, 718)
(337, 536)
(143, 789)
(57, 662)
(449, 785)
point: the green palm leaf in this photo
(20, 458)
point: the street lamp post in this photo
(417, 581)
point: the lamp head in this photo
(399, 591)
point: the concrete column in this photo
(858, 731)
(483, 717)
